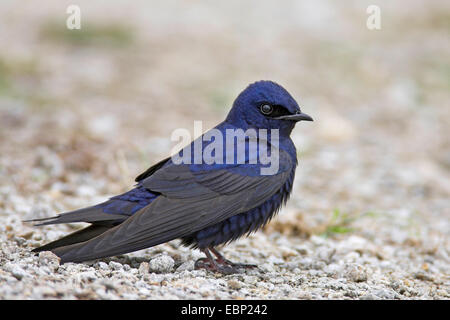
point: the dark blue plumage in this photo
(138, 197)
(243, 223)
(206, 203)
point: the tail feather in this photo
(102, 217)
(76, 237)
(90, 214)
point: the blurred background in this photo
(82, 112)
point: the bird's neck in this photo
(284, 140)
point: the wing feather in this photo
(190, 200)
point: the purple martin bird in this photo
(204, 204)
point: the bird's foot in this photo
(212, 265)
(220, 264)
(221, 259)
(236, 265)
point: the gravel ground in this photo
(289, 268)
(82, 115)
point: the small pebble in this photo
(234, 284)
(161, 264)
(356, 273)
(49, 259)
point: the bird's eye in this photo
(266, 109)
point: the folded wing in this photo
(191, 198)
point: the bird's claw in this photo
(205, 263)
(236, 265)
(221, 265)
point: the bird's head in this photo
(266, 105)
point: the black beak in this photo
(296, 117)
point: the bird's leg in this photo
(205, 262)
(222, 260)
(209, 263)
